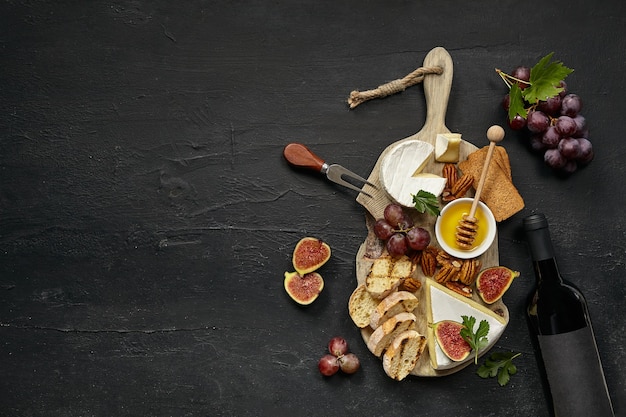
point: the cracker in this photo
(499, 193)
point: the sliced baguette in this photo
(403, 353)
(387, 274)
(403, 267)
(386, 332)
(395, 303)
(361, 306)
(379, 282)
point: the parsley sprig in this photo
(499, 364)
(478, 339)
(544, 81)
(426, 202)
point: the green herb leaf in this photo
(499, 364)
(544, 79)
(426, 202)
(543, 83)
(516, 102)
(477, 340)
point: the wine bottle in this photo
(559, 320)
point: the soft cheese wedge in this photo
(443, 304)
(401, 172)
(447, 147)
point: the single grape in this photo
(406, 223)
(586, 151)
(517, 123)
(418, 238)
(397, 245)
(570, 167)
(382, 229)
(521, 73)
(554, 159)
(562, 84)
(328, 365)
(349, 363)
(551, 106)
(571, 105)
(536, 142)
(581, 126)
(537, 121)
(394, 215)
(506, 102)
(338, 346)
(569, 148)
(566, 126)
(551, 138)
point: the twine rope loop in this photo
(392, 87)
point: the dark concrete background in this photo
(147, 215)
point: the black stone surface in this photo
(147, 215)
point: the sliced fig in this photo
(310, 254)
(493, 282)
(448, 336)
(303, 289)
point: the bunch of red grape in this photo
(557, 129)
(399, 232)
(339, 358)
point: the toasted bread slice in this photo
(386, 332)
(379, 281)
(403, 353)
(361, 306)
(395, 303)
(403, 267)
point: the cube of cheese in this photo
(447, 147)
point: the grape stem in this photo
(506, 77)
(401, 230)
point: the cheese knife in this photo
(299, 155)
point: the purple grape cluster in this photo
(401, 235)
(557, 129)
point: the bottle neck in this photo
(541, 250)
(540, 243)
(547, 272)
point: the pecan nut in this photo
(447, 272)
(411, 284)
(428, 261)
(459, 288)
(450, 173)
(443, 257)
(469, 271)
(462, 186)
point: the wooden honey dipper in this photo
(466, 230)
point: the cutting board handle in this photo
(437, 88)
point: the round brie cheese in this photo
(401, 172)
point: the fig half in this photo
(448, 336)
(493, 282)
(303, 289)
(310, 254)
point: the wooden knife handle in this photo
(299, 155)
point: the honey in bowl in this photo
(448, 221)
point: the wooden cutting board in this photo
(437, 92)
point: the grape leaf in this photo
(426, 202)
(477, 340)
(545, 77)
(516, 103)
(499, 364)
